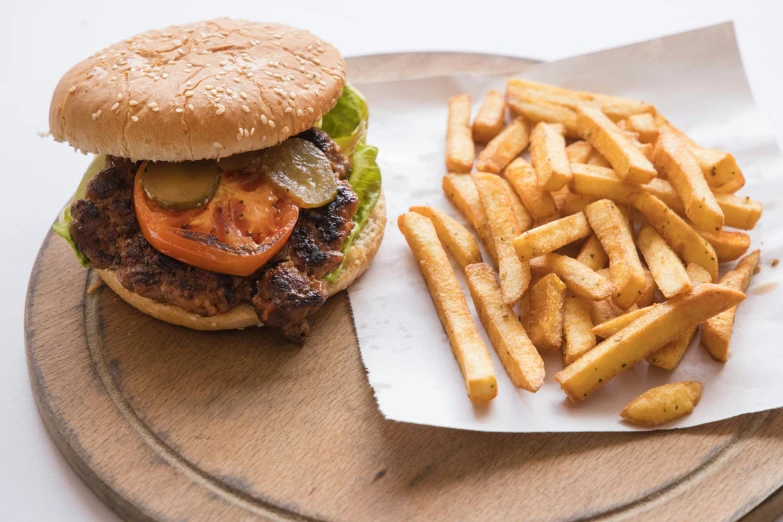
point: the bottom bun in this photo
(359, 257)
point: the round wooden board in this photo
(165, 423)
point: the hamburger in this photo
(232, 185)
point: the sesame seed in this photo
(246, 108)
(288, 109)
(236, 79)
(310, 110)
(239, 136)
(243, 95)
(171, 62)
(220, 109)
(298, 112)
(133, 103)
(285, 129)
(229, 91)
(292, 95)
(72, 89)
(278, 90)
(119, 97)
(217, 145)
(94, 116)
(115, 106)
(188, 94)
(263, 139)
(113, 67)
(250, 74)
(252, 131)
(178, 110)
(155, 109)
(214, 92)
(152, 105)
(272, 123)
(190, 106)
(134, 118)
(220, 89)
(263, 119)
(165, 75)
(208, 87)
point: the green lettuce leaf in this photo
(346, 123)
(366, 182)
(62, 225)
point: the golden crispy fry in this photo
(644, 126)
(546, 312)
(597, 160)
(611, 326)
(670, 355)
(457, 240)
(720, 169)
(490, 118)
(716, 333)
(578, 336)
(666, 268)
(536, 110)
(466, 342)
(524, 219)
(579, 151)
(518, 355)
(551, 236)
(683, 239)
(460, 151)
(522, 177)
(504, 147)
(647, 296)
(615, 107)
(548, 156)
(612, 230)
(663, 404)
(626, 159)
(573, 203)
(592, 254)
(596, 182)
(728, 245)
(461, 191)
(642, 337)
(579, 279)
(514, 274)
(673, 157)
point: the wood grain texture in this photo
(165, 423)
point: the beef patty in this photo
(284, 291)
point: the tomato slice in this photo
(247, 222)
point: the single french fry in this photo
(518, 355)
(666, 268)
(627, 160)
(573, 203)
(683, 239)
(579, 151)
(592, 254)
(612, 230)
(683, 172)
(551, 236)
(597, 160)
(729, 246)
(644, 126)
(647, 296)
(504, 147)
(514, 274)
(457, 240)
(592, 181)
(720, 169)
(642, 337)
(464, 337)
(524, 219)
(460, 151)
(663, 404)
(670, 355)
(579, 279)
(716, 333)
(522, 177)
(490, 118)
(536, 110)
(546, 312)
(461, 191)
(578, 336)
(548, 156)
(611, 326)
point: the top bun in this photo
(197, 91)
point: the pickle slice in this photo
(181, 186)
(303, 171)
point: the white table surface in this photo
(43, 39)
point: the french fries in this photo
(683, 239)
(720, 169)
(514, 274)
(716, 333)
(573, 203)
(461, 191)
(683, 172)
(490, 118)
(612, 230)
(670, 355)
(644, 126)
(648, 294)
(518, 355)
(597, 160)
(626, 159)
(504, 147)
(612, 326)
(663, 404)
(457, 240)
(739, 212)
(524, 219)
(642, 337)
(592, 254)
(551, 236)
(578, 278)
(578, 151)
(666, 268)
(466, 342)
(546, 313)
(729, 246)
(578, 336)
(538, 202)
(460, 151)
(537, 110)
(548, 156)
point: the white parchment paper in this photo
(695, 79)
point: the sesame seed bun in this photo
(197, 91)
(358, 258)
